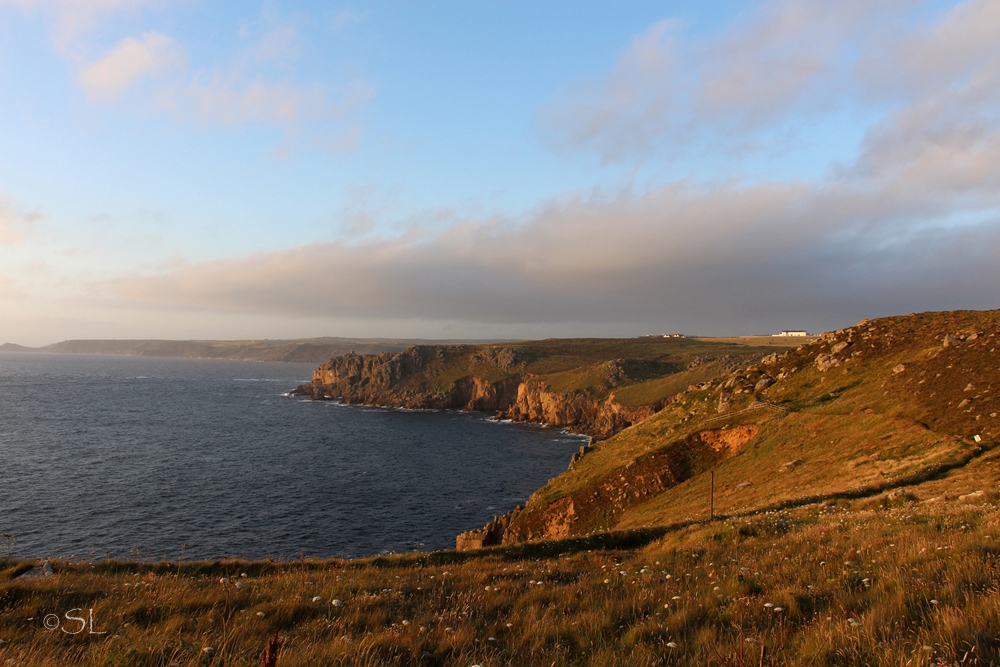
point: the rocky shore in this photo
(503, 388)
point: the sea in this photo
(154, 458)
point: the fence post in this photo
(711, 515)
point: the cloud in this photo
(231, 99)
(775, 69)
(944, 133)
(627, 108)
(344, 18)
(256, 85)
(790, 56)
(108, 77)
(911, 222)
(707, 257)
(280, 44)
(8, 287)
(14, 221)
(909, 60)
(73, 17)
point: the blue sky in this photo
(200, 169)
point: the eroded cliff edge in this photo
(598, 387)
(867, 412)
(490, 379)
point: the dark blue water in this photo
(100, 455)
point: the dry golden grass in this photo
(898, 407)
(921, 582)
(866, 549)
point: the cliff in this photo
(569, 384)
(872, 409)
(505, 388)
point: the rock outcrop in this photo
(596, 505)
(887, 401)
(405, 379)
(490, 535)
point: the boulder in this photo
(43, 569)
(825, 362)
(763, 383)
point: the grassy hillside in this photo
(857, 523)
(875, 406)
(863, 582)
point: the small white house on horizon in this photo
(790, 333)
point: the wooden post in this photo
(711, 515)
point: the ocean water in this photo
(117, 456)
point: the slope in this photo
(879, 406)
(594, 386)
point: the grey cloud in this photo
(911, 224)
(724, 257)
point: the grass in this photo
(899, 405)
(576, 366)
(651, 391)
(858, 524)
(858, 582)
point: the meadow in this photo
(878, 581)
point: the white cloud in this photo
(257, 84)
(957, 48)
(780, 65)
(8, 287)
(73, 17)
(626, 109)
(344, 18)
(15, 221)
(108, 77)
(231, 99)
(944, 134)
(280, 44)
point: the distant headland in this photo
(306, 350)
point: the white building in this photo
(791, 333)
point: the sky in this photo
(197, 169)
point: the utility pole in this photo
(711, 514)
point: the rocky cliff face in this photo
(596, 506)
(855, 411)
(576, 412)
(403, 380)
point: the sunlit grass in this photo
(849, 584)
